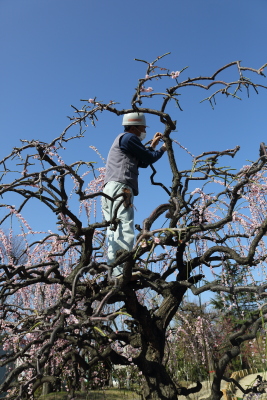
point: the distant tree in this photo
(193, 343)
(61, 311)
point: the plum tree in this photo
(61, 311)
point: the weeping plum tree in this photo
(61, 312)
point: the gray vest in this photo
(122, 167)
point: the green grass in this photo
(108, 394)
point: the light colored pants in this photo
(123, 236)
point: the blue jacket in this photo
(126, 155)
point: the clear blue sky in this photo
(55, 52)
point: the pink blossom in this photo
(91, 101)
(175, 74)
(197, 190)
(29, 336)
(143, 89)
(6, 345)
(147, 76)
(156, 240)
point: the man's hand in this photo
(156, 139)
(164, 147)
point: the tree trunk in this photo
(158, 384)
(156, 388)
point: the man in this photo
(126, 155)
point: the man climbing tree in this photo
(126, 156)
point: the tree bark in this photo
(158, 384)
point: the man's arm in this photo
(131, 144)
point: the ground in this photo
(109, 394)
